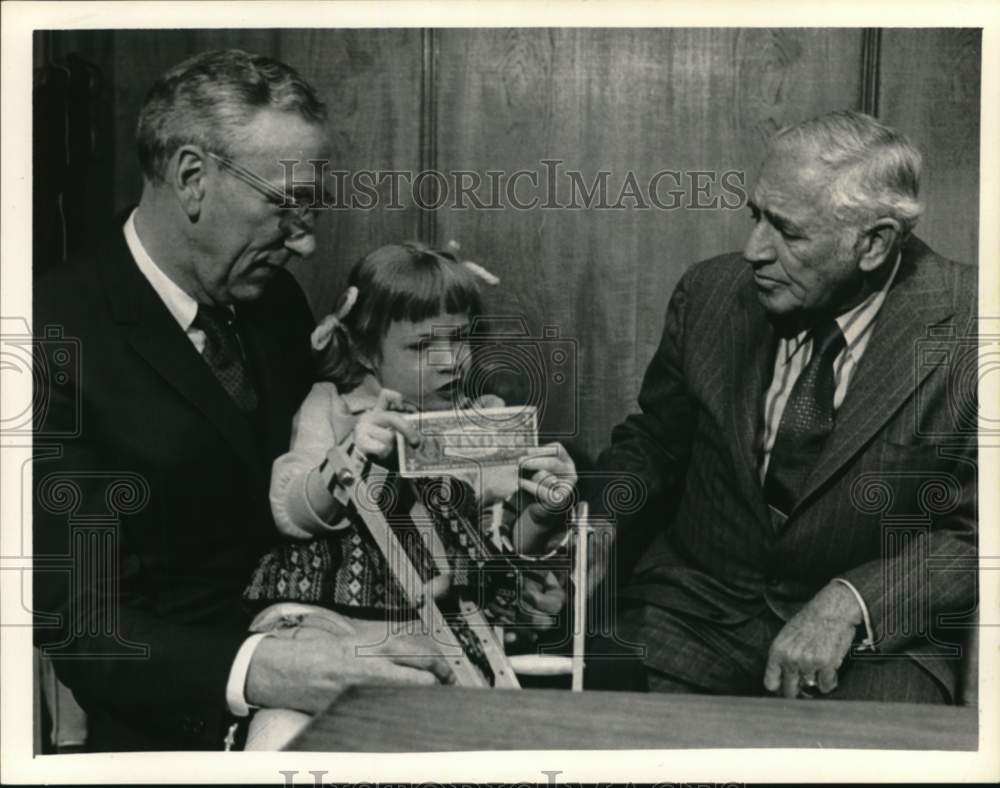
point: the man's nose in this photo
(759, 247)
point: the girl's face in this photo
(425, 361)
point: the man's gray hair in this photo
(875, 169)
(207, 99)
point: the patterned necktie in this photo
(806, 422)
(224, 355)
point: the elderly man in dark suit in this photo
(807, 439)
(151, 508)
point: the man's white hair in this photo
(875, 170)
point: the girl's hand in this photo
(375, 432)
(553, 480)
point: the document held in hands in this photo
(466, 442)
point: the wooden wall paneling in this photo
(428, 127)
(371, 82)
(929, 89)
(144, 55)
(685, 100)
(871, 63)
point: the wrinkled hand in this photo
(599, 557)
(541, 600)
(553, 480)
(810, 648)
(305, 668)
(375, 432)
(553, 477)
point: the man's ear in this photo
(187, 178)
(877, 243)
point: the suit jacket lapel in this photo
(888, 373)
(752, 345)
(155, 335)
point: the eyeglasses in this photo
(293, 219)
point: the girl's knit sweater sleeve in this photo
(314, 433)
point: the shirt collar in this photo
(363, 396)
(181, 305)
(855, 323)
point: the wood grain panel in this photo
(643, 101)
(929, 89)
(429, 719)
(370, 81)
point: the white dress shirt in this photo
(184, 309)
(794, 353)
(792, 357)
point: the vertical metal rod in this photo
(580, 594)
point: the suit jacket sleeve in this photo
(654, 444)
(164, 674)
(932, 574)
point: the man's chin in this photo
(774, 302)
(252, 284)
(248, 291)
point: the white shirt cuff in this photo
(868, 644)
(236, 686)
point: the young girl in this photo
(394, 344)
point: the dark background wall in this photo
(616, 100)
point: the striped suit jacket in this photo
(890, 504)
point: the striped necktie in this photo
(806, 422)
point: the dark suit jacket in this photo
(151, 496)
(890, 504)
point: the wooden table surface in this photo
(388, 719)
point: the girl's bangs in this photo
(424, 292)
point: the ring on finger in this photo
(808, 686)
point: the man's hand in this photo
(554, 478)
(542, 597)
(810, 648)
(305, 668)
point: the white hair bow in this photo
(488, 278)
(323, 333)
